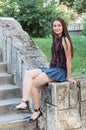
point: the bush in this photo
(33, 16)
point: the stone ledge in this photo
(65, 109)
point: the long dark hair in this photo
(64, 33)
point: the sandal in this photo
(26, 108)
(31, 119)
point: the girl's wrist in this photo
(67, 78)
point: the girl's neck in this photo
(60, 35)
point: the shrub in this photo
(33, 16)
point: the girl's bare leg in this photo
(37, 82)
(27, 85)
(32, 80)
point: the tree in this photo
(69, 3)
(80, 6)
(33, 16)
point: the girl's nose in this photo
(56, 27)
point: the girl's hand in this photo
(73, 81)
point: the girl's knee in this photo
(28, 73)
(33, 73)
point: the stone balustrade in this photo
(63, 105)
(19, 51)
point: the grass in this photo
(79, 59)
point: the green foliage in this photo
(80, 6)
(33, 16)
(66, 13)
(68, 2)
(45, 45)
(84, 24)
(79, 60)
(8, 8)
(36, 20)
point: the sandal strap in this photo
(36, 110)
(26, 102)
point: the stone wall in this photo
(63, 105)
(19, 51)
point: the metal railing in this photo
(75, 27)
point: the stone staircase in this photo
(10, 95)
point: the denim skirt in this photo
(56, 74)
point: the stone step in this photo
(16, 122)
(84, 124)
(11, 117)
(9, 96)
(5, 106)
(8, 91)
(5, 78)
(3, 67)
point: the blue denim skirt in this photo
(56, 74)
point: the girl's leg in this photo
(27, 85)
(37, 82)
(35, 97)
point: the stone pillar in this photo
(62, 106)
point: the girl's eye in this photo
(54, 25)
(59, 25)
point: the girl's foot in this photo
(22, 106)
(37, 113)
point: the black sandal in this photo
(31, 119)
(26, 108)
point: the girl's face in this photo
(57, 28)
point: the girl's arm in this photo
(67, 48)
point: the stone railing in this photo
(19, 51)
(63, 105)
